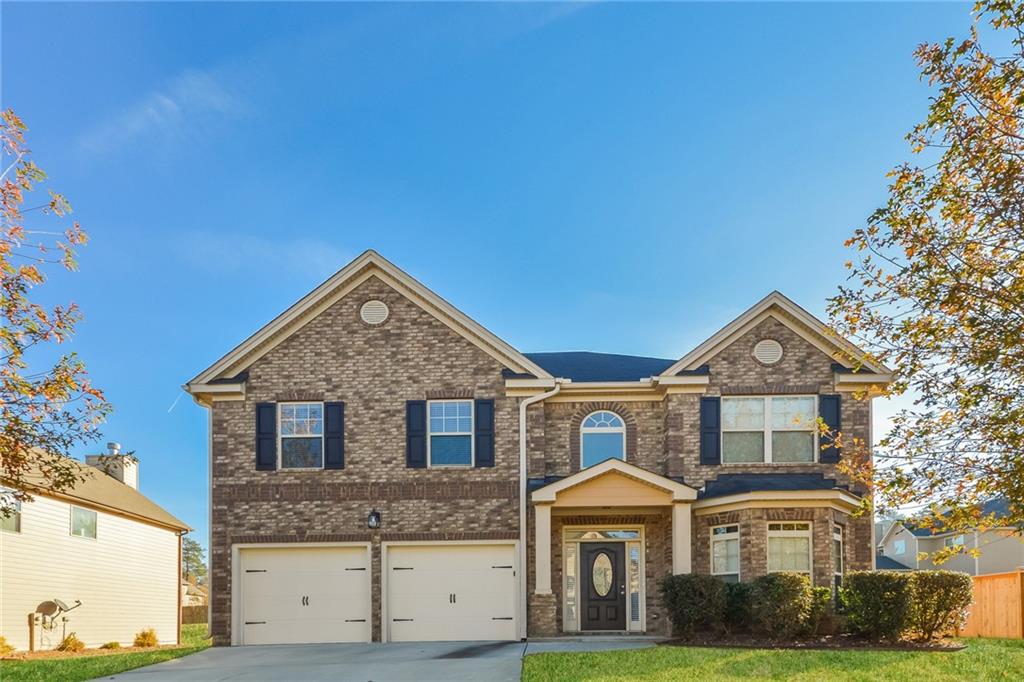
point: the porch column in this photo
(542, 549)
(680, 537)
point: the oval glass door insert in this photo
(602, 574)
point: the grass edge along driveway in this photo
(983, 659)
(74, 669)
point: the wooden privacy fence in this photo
(998, 609)
(193, 614)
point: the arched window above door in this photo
(602, 436)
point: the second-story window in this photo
(602, 436)
(899, 547)
(12, 521)
(83, 522)
(302, 435)
(451, 433)
(769, 429)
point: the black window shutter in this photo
(710, 430)
(831, 412)
(416, 434)
(266, 436)
(484, 433)
(334, 435)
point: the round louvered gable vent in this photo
(374, 312)
(768, 351)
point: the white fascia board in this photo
(531, 383)
(875, 379)
(826, 496)
(679, 491)
(683, 380)
(754, 315)
(414, 290)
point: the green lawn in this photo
(991, 659)
(193, 639)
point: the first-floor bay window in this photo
(725, 552)
(302, 435)
(789, 547)
(769, 429)
(837, 556)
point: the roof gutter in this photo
(523, 405)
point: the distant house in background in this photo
(102, 543)
(1001, 549)
(193, 594)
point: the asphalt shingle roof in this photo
(733, 484)
(587, 366)
(884, 563)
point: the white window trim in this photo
(807, 533)
(71, 522)
(767, 430)
(281, 437)
(839, 533)
(951, 541)
(471, 433)
(721, 538)
(899, 547)
(603, 429)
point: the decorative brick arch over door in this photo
(586, 409)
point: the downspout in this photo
(523, 596)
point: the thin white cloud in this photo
(235, 252)
(172, 114)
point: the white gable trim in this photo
(679, 491)
(890, 529)
(367, 265)
(811, 329)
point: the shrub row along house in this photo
(101, 543)
(384, 468)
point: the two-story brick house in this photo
(383, 468)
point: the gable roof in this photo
(97, 489)
(996, 506)
(679, 491)
(785, 311)
(587, 366)
(368, 264)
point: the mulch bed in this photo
(50, 653)
(843, 642)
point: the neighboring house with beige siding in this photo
(383, 468)
(1000, 549)
(103, 544)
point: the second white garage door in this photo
(299, 595)
(451, 592)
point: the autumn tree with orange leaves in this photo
(47, 406)
(937, 286)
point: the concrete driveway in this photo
(442, 661)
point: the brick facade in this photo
(414, 356)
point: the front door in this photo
(603, 586)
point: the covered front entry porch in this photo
(602, 538)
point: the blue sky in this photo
(620, 178)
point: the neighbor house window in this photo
(725, 552)
(769, 429)
(451, 433)
(899, 547)
(602, 436)
(302, 435)
(953, 541)
(83, 522)
(789, 547)
(12, 521)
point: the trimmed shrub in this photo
(146, 638)
(820, 611)
(877, 603)
(737, 607)
(111, 645)
(694, 602)
(5, 648)
(780, 604)
(940, 603)
(71, 643)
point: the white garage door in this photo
(298, 595)
(451, 592)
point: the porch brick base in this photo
(542, 617)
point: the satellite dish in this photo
(61, 605)
(48, 608)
